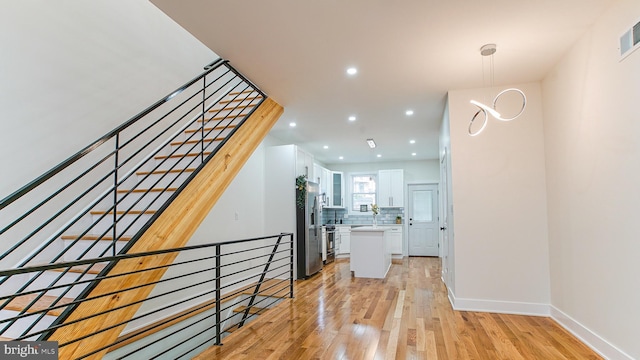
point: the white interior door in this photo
(423, 220)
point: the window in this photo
(363, 191)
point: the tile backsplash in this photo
(387, 216)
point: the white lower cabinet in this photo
(345, 239)
(395, 234)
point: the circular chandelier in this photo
(489, 50)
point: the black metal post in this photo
(204, 97)
(291, 265)
(218, 340)
(115, 194)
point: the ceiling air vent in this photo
(630, 41)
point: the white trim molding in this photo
(502, 307)
(584, 334)
(588, 337)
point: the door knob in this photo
(443, 228)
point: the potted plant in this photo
(398, 219)
(301, 186)
(375, 210)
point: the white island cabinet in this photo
(370, 252)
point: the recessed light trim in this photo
(292, 124)
(341, 157)
(412, 141)
(325, 147)
(413, 154)
(352, 118)
(409, 112)
(379, 155)
(352, 71)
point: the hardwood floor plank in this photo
(405, 316)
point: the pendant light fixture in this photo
(487, 51)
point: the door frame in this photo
(405, 225)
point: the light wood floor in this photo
(405, 316)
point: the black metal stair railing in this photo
(99, 201)
(194, 306)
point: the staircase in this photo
(89, 219)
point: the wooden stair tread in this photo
(20, 303)
(95, 237)
(237, 107)
(177, 143)
(241, 92)
(248, 98)
(2, 338)
(180, 155)
(254, 310)
(206, 129)
(95, 269)
(172, 171)
(220, 118)
(122, 212)
(146, 190)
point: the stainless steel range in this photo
(330, 243)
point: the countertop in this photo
(370, 229)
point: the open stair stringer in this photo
(173, 228)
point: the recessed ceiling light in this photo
(413, 154)
(352, 71)
(326, 147)
(379, 155)
(412, 141)
(371, 143)
(352, 118)
(341, 157)
(409, 112)
(292, 124)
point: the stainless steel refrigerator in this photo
(309, 231)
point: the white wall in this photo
(447, 237)
(591, 137)
(499, 204)
(71, 71)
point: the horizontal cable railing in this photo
(207, 292)
(99, 202)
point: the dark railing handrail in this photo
(103, 139)
(68, 264)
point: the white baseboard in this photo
(588, 337)
(502, 307)
(591, 339)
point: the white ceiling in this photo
(408, 53)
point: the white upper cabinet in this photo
(391, 188)
(304, 164)
(317, 176)
(337, 189)
(334, 181)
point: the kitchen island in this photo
(370, 252)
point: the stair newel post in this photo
(218, 324)
(115, 194)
